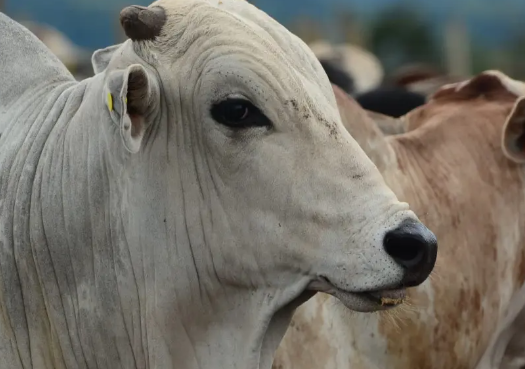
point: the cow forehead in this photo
(239, 9)
(242, 21)
(237, 29)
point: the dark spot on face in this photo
(332, 128)
(294, 104)
(357, 176)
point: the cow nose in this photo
(414, 247)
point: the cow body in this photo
(173, 210)
(450, 164)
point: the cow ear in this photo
(131, 101)
(514, 133)
(101, 58)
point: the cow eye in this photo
(239, 113)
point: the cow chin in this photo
(362, 301)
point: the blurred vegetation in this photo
(399, 34)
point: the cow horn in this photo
(141, 23)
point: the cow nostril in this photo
(406, 250)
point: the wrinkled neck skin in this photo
(110, 276)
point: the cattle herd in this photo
(220, 195)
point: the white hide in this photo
(165, 239)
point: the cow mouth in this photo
(363, 301)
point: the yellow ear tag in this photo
(110, 102)
(125, 100)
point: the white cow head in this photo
(240, 177)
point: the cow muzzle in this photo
(414, 247)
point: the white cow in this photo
(171, 211)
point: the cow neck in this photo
(209, 325)
(137, 299)
(199, 320)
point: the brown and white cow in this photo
(461, 165)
